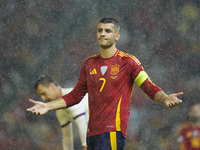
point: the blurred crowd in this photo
(55, 37)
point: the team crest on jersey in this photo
(114, 70)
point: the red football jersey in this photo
(109, 83)
(189, 137)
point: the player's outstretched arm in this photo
(41, 108)
(169, 100)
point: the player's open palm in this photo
(172, 100)
(40, 108)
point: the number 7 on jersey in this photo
(103, 84)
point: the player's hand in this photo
(172, 100)
(39, 108)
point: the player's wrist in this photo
(163, 99)
(160, 97)
(48, 106)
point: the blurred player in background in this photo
(48, 90)
(109, 78)
(189, 133)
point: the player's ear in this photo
(117, 36)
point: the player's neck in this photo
(109, 52)
(60, 92)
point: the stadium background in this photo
(55, 37)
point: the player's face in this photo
(106, 35)
(46, 93)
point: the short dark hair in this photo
(111, 20)
(44, 80)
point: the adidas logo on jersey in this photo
(93, 71)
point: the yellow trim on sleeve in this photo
(142, 76)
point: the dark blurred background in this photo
(54, 38)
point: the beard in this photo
(105, 46)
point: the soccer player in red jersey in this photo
(189, 133)
(108, 78)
